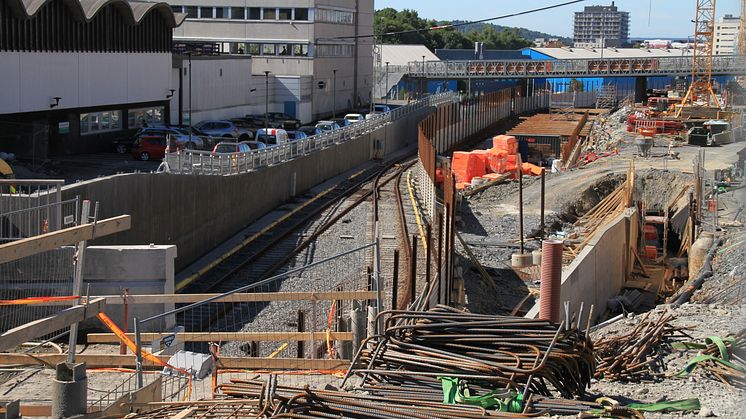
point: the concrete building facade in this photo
(601, 26)
(312, 49)
(102, 69)
(726, 35)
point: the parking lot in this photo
(82, 167)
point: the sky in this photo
(648, 18)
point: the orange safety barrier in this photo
(37, 300)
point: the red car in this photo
(152, 147)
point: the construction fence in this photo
(221, 164)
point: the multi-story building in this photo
(600, 27)
(318, 54)
(726, 34)
(77, 74)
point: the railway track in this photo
(268, 253)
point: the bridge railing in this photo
(721, 64)
(207, 163)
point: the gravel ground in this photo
(701, 320)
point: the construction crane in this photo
(742, 31)
(700, 92)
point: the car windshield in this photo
(226, 148)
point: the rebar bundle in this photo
(637, 354)
(492, 352)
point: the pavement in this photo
(82, 167)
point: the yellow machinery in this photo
(700, 92)
(5, 171)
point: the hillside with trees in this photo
(406, 23)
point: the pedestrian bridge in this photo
(612, 67)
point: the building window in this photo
(221, 12)
(205, 13)
(334, 50)
(335, 16)
(284, 49)
(285, 14)
(268, 49)
(269, 14)
(177, 9)
(238, 13)
(138, 118)
(254, 49)
(191, 12)
(95, 122)
(255, 13)
(301, 14)
(300, 50)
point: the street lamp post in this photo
(387, 83)
(334, 94)
(266, 99)
(189, 54)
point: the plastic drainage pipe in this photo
(704, 272)
(551, 280)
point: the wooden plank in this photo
(233, 298)
(41, 327)
(65, 237)
(128, 361)
(34, 410)
(227, 336)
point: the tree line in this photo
(390, 20)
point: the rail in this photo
(609, 67)
(196, 162)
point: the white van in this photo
(354, 117)
(272, 136)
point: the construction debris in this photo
(636, 355)
(721, 358)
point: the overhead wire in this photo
(455, 25)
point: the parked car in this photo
(354, 117)
(255, 145)
(381, 108)
(296, 135)
(245, 128)
(259, 121)
(327, 125)
(287, 121)
(230, 147)
(341, 122)
(225, 129)
(272, 136)
(152, 147)
(180, 135)
(309, 130)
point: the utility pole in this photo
(387, 83)
(266, 99)
(334, 96)
(189, 54)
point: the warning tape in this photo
(145, 355)
(37, 300)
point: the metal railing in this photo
(222, 164)
(721, 64)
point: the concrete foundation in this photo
(69, 391)
(197, 213)
(600, 270)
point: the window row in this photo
(289, 50)
(106, 121)
(335, 16)
(334, 50)
(245, 13)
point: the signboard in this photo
(63, 127)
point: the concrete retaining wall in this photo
(197, 213)
(600, 270)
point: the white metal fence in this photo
(222, 164)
